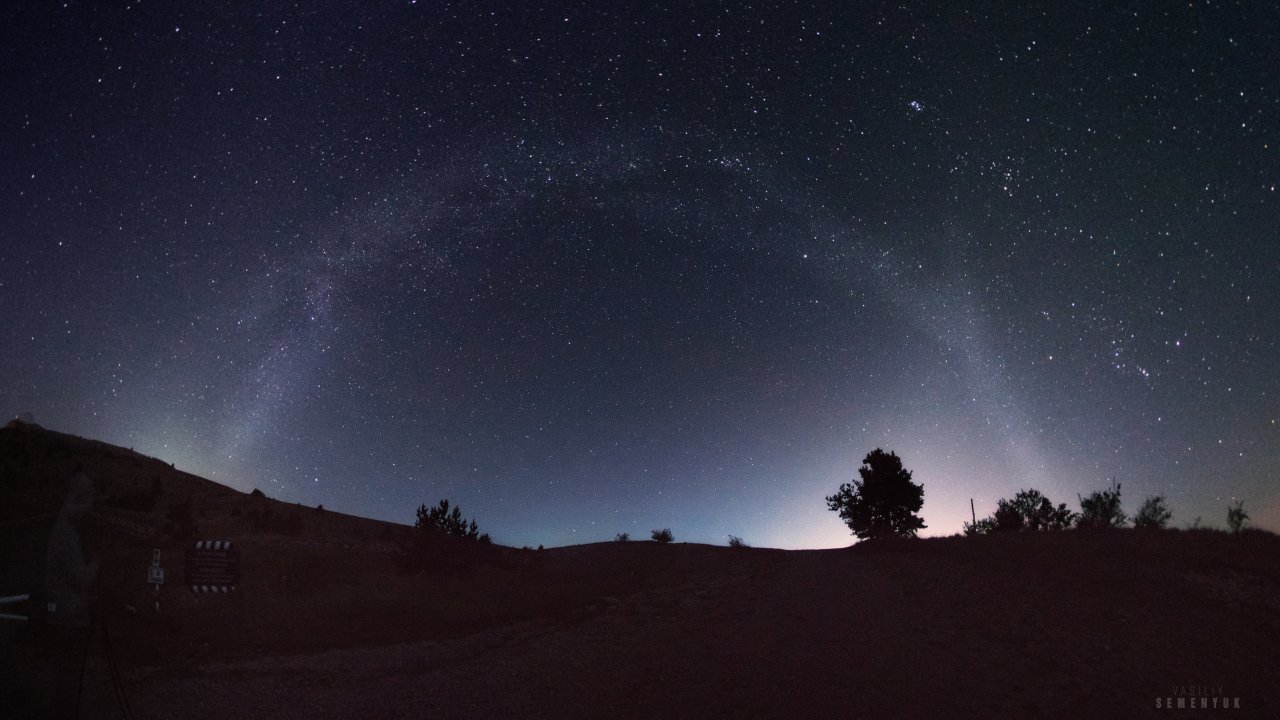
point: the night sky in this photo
(608, 268)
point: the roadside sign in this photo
(155, 575)
(212, 566)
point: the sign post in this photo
(155, 575)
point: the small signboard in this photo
(212, 566)
(155, 575)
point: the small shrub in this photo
(1102, 510)
(425, 551)
(622, 537)
(984, 526)
(1237, 517)
(1153, 514)
(663, 536)
(1027, 510)
(737, 542)
(453, 523)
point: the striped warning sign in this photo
(212, 566)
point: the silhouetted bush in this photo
(662, 536)
(984, 526)
(623, 537)
(257, 494)
(441, 518)
(1102, 510)
(1153, 514)
(884, 502)
(427, 550)
(1027, 510)
(1237, 517)
(737, 542)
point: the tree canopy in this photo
(1153, 514)
(663, 536)
(883, 502)
(440, 518)
(1102, 509)
(1237, 517)
(1027, 510)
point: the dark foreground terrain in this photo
(328, 623)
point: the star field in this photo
(590, 270)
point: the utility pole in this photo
(973, 512)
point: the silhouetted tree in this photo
(884, 502)
(623, 537)
(425, 550)
(1237, 517)
(1027, 510)
(662, 536)
(737, 542)
(441, 518)
(1153, 514)
(1102, 509)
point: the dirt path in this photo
(822, 635)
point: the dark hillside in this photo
(328, 622)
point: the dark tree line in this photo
(1030, 510)
(451, 522)
(883, 502)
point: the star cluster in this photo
(596, 269)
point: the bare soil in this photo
(326, 623)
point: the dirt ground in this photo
(1071, 625)
(327, 621)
